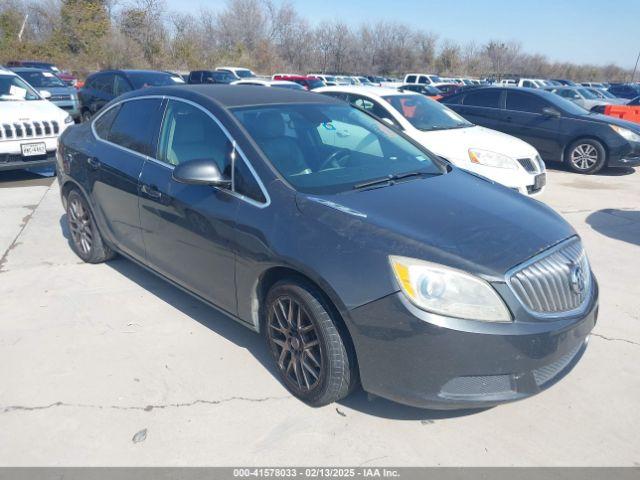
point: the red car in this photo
(307, 81)
(66, 77)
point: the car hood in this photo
(601, 118)
(457, 219)
(60, 90)
(454, 144)
(30, 110)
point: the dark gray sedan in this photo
(362, 257)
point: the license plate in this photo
(33, 149)
(540, 181)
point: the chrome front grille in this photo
(28, 130)
(532, 165)
(558, 281)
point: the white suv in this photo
(426, 78)
(499, 157)
(29, 124)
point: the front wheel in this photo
(586, 156)
(310, 352)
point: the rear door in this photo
(524, 118)
(482, 107)
(189, 230)
(128, 136)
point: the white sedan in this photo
(495, 155)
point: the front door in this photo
(189, 230)
(128, 134)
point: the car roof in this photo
(28, 69)
(132, 71)
(231, 96)
(365, 90)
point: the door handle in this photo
(94, 163)
(151, 191)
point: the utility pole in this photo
(24, 24)
(633, 75)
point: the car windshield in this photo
(13, 88)
(331, 148)
(243, 73)
(153, 79)
(42, 79)
(588, 94)
(567, 105)
(607, 94)
(425, 114)
(329, 78)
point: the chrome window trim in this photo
(232, 192)
(555, 315)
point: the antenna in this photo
(24, 24)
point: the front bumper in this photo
(11, 154)
(429, 361)
(627, 155)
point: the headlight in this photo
(491, 159)
(446, 291)
(68, 119)
(626, 133)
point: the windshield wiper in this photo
(389, 179)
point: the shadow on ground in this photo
(27, 178)
(255, 344)
(622, 225)
(605, 172)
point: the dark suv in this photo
(559, 129)
(210, 76)
(102, 87)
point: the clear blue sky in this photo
(583, 31)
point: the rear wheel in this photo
(311, 355)
(86, 240)
(586, 156)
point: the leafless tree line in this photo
(87, 35)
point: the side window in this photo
(120, 86)
(245, 183)
(194, 77)
(423, 79)
(90, 83)
(136, 126)
(483, 98)
(102, 125)
(188, 133)
(411, 79)
(528, 84)
(207, 77)
(524, 102)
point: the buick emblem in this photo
(577, 278)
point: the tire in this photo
(586, 156)
(312, 356)
(86, 240)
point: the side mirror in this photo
(46, 94)
(389, 122)
(200, 172)
(550, 112)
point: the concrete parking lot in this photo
(108, 365)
